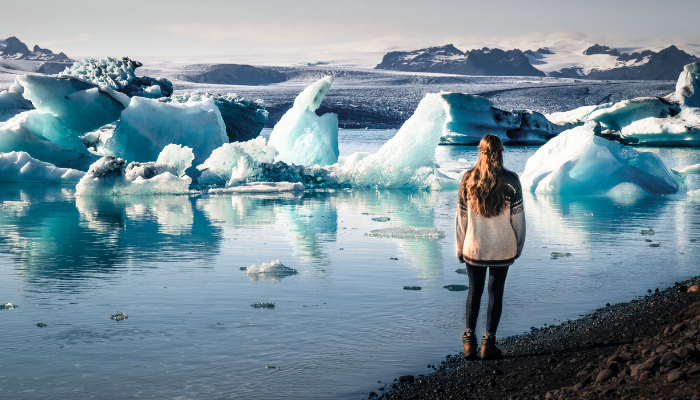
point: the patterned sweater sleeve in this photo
(517, 214)
(461, 224)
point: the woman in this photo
(490, 232)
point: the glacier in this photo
(470, 117)
(579, 161)
(673, 120)
(301, 137)
(112, 176)
(147, 126)
(18, 166)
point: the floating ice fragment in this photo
(301, 136)
(587, 214)
(275, 267)
(579, 162)
(381, 219)
(263, 305)
(19, 166)
(690, 169)
(412, 288)
(407, 232)
(556, 254)
(462, 271)
(272, 367)
(7, 306)
(654, 245)
(41, 325)
(647, 231)
(456, 288)
(119, 316)
(694, 193)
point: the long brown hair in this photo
(484, 185)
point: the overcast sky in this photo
(231, 27)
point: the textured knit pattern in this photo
(496, 241)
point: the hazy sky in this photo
(218, 27)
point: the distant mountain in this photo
(645, 65)
(595, 62)
(13, 49)
(450, 60)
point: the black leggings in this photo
(497, 282)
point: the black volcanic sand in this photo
(642, 349)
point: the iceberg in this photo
(244, 119)
(118, 75)
(470, 117)
(217, 169)
(147, 126)
(301, 137)
(80, 105)
(45, 138)
(112, 176)
(579, 161)
(673, 120)
(18, 166)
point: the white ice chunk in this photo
(303, 138)
(407, 232)
(18, 166)
(579, 162)
(112, 72)
(179, 158)
(580, 114)
(147, 126)
(79, 105)
(470, 117)
(694, 193)
(690, 169)
(273, 267)
(111, 176)
(46, 139)
(688, 86)
(217, 169)
(261, 187)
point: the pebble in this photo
(694, 288)
(675, 376)
(406, 378)
(605, 375)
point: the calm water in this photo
(343, 323)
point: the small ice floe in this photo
(274, 267)
(456, 288)
(14, 205)
(272, 367)
(263, 305)
(557, 255)
(41, 325)
(587, 214)
(462, 271)
(381, 219)
(647, 232)
(407, 232)
(7, 306)
(412, 288)
(654, 245)
(119, 316)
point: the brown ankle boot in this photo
(469, 343)
(489, 351)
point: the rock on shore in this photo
(648, 348)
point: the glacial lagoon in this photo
(343, 323)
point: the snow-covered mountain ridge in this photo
(564, 59)
(14, 49)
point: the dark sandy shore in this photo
(642, 349)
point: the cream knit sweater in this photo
(496, 241)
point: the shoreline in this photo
(629, 350)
